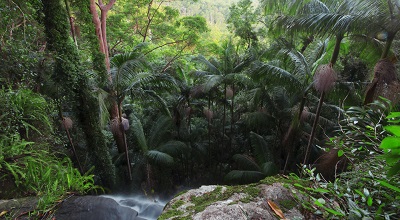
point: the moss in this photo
(177, 204)
(273, 179)
(288, 204)
(201, 202)
(171, 213)
(252, 192)
(181, 193)
(218, 194)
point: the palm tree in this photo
(226, 71)
(130, 78)
(281, 87)
(256, 166)
(386, 22)
(158, 146)
(335, 18)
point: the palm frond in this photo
(301, 68)
(262, 151)
(158, 101)
(159, 158)
(137, 128)
(239, 78)
(212, 81)
(269, 168)
(244, 176)
(256, 120)
(175, 148)
(274, 75)
(211, 66)
(104, 115)
(160, 131)
(245, 162)
(315, 53)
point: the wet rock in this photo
(18, 208)
(94, 208)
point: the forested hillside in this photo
(150, 97)
(215, 12)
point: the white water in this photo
(148, 208)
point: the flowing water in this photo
(148, 208)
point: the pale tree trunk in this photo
(101, 24)
(101, 32)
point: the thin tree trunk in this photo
(209, 122)
(122, 131)
(232, 118)
(388, 45)
(72, 145)
(71, 22)
(224, 117)
(334, 58)
(314, 128)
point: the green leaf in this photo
(340, 153)
(321, 190)
(244, 176)
(246, 162)
(160, 158)
(395, 169)
(393, 115)
(320, 202)
(390, 143)
(369, 201)
(388, 185)
(394, 129)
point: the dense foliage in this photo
(155, 95)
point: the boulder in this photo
(94, 208)
(234, 202)
(17, 208)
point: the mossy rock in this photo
(235, 202)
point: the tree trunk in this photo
(334, 58)
(101, 24)
(67, 72)
(224, 117)
(232, 118)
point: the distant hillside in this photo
(215, 11)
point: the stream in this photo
(148, 208)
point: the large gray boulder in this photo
(94, 208)
(233, 202)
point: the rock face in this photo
(94, 208)
(16, 208)
(233, 202)
(74, 208)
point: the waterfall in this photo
(147, 208)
